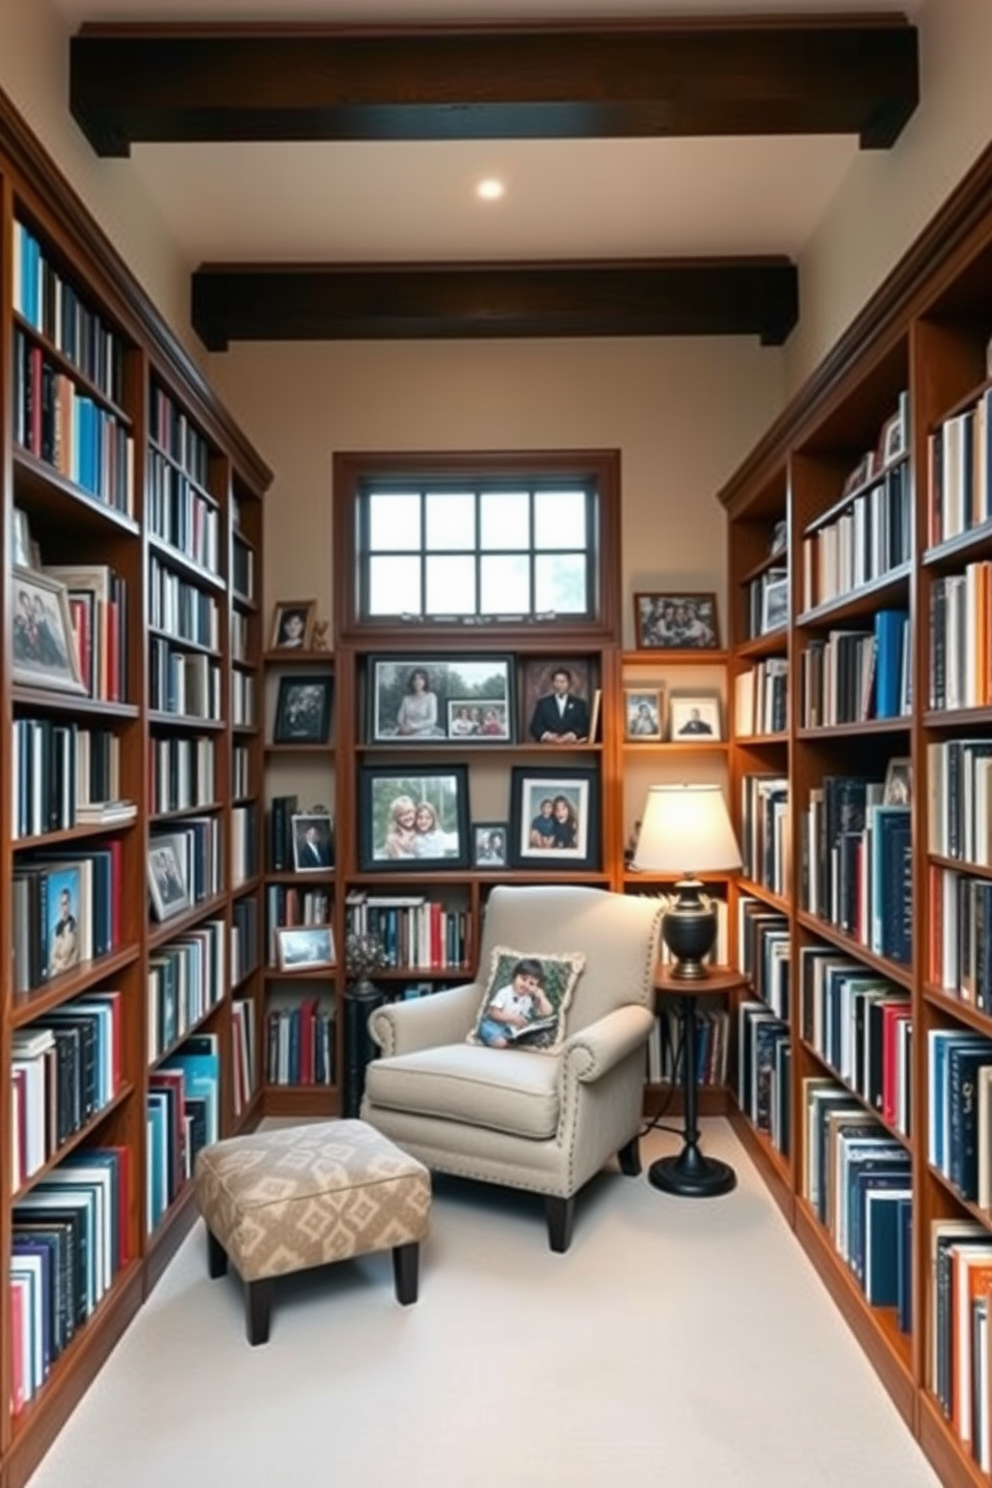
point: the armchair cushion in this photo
(499, 1089)
(535, 988)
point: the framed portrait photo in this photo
(304, 947)
(559, 697)
(303, 710)
(554, 818)
(167, 886)
(774, 599)
(415, 820)
(490, 844)
(676, 622)
(292, 624)
(43, 646)
(898, 783)
(643, 711)
(313, 842)
(695, 720)
(441, 699)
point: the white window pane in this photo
(560, 582)
(450, 586)
(394, 524)
(450, 522)
(505, 583)
(394, 586)
(559, 519)
(505, 520)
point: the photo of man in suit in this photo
(312, 844)
(560, 716)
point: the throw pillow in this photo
(526, 999)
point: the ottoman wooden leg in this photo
(216, 1257)
(406, 1262)
(258, 1309)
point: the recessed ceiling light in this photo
(490, 189)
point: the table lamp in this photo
(686, 829)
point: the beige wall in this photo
(682, 412)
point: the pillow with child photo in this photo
(526, 1000)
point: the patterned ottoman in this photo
(300, 1196)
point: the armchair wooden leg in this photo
(216, 1257)
(258, 1309)
(406, 1260)
(629, 1158)
(561, 1215)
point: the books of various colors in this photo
(764, 1054)
(959, 1111)
(66, 910)
(414, 931)
(186, 978)
(182, 1116)
(300, 1045)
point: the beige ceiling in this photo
(415, 201)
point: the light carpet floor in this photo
(678, 1342)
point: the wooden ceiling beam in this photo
(361, 302)
(678, 77)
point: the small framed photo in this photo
(43, 645)
(892, 444)
(898, 783)
(642, 714)
(167, 884)
(304, 947)
(292, 624)
(303, 710)
(558, 699)
(676, 622)
(417, 818)
(554, 818)
(441, 699)
(313, 842)
(490, 844)
(62, 929)
(695, 719)
(774, 600)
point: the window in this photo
(451, 549)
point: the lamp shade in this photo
(686, 829)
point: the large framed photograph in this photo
(558, 699)
(554, 818)
(439, 699)
(303, 710)
(292, 624)
(43, 645)
(643, 714)
(167, 885)
(304, 947)
(313, 842)
(490, 845)
(695, 720)
(417, 818)
(676, 622)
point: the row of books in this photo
(960, 649)
(181, 516)
(959, 1361)
(194, 844)
(182, 772)
(299, 1046)
(959, 803)
(244, 843)
(862, 1026)
(414, 931)
(66, 1068)
(765, 837)
(960, 938)
(865, 537)
(60, 774)
(184, 610)
(768, 601)
(58, 423)
(959, 1111)
(241, 633)
(52, 306)
(65, 910)
(761, 698)
(187, 685)
(240, 771)
(186, 978)
(850, 676)
(182, 1114)
(173, 432)
(857, 1179)
(242, 1053)
(244, 938)
(764, 1059)
(68, 1241)
(764, 952)
(665, 1048)
(244, 699)
(286, 906)
(242, 573)
(958, 470)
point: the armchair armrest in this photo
(593, 1050)
(442, 1018)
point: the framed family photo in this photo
(417, 818)
(441, 699)
(554, 818)
(490, 844)
(303, 710)
(643, 715)
(676, 622)
(43, 647)
(695, 720)
(304, 947)
(167, 886)
(292, 624)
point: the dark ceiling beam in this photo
(713, 76)
(359, 302)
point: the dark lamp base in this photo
(690, 1175)
(689, 930)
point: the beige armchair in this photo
(540, 1121)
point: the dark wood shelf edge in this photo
(169, 1234)
(771, 1165)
